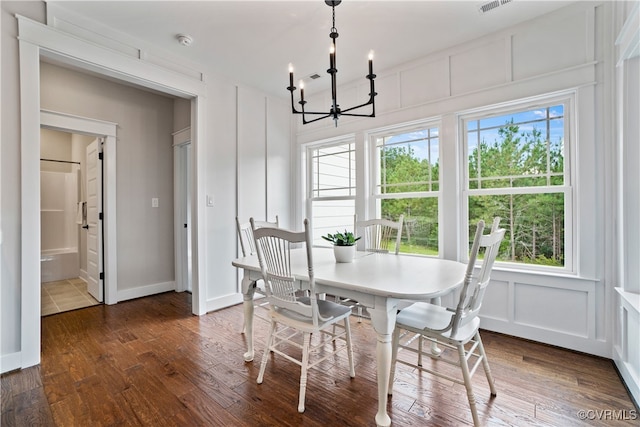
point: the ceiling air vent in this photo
(486, 7)
(314, 76)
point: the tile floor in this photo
(65, 295)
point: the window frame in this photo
(375, 197)
(309, 190)
(568, 188)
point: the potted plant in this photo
(344, 248)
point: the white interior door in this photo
(188, 217)
(94, 222)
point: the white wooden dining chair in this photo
(454, 329)
(377, 235)
(245, 235)
(296, 318)
(248, 248)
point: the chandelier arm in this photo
(305, 121)
(313, 112)
(293, 107)
(343, 112)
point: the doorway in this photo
(42, 42)
(69, 252)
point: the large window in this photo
(516, 170)
(332, 188)
(406, 182)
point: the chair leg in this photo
(347, 327)
(467, 384)
(485, 365)
(303, 373)
(359, 313)
(267, 350)
(395, 343)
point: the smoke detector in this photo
(184, 39)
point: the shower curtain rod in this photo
(59, 161)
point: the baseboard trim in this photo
(629, 379)
(223, 302)
(145, 291)
(10, 362)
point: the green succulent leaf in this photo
(342, 239)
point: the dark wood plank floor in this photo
(149, 362)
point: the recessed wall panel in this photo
(479, 68)
(537, 49)
(496, 301)
(251, 155)
(425, 82)
(555, 309)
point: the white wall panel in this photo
(537, 48)
(252, 199)
(220, 170)
(496, 302)
(556, 309)
(478, 68)
(279, 162)
(424, 82)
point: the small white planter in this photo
(344, 253)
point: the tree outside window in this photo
(516, 170)
(408, 184)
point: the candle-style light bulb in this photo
(301, 90)
(332, 57)
(370, 62)
(290, 74)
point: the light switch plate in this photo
(209, 200)
(154, 202)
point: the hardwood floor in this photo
(149, 362)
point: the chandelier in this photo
(335, 111)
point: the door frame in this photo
(181, 139)
(36, 40)
(100, 129)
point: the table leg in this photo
(383, 320)
(248, 290)
(435, 350)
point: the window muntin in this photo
(406, 163)
(333, 171)
(516, 170)
(332, 188)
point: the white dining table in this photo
(377, 281)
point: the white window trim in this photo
(373, 197)
(568, 99)
(307, 172)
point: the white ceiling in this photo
(252, 42)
